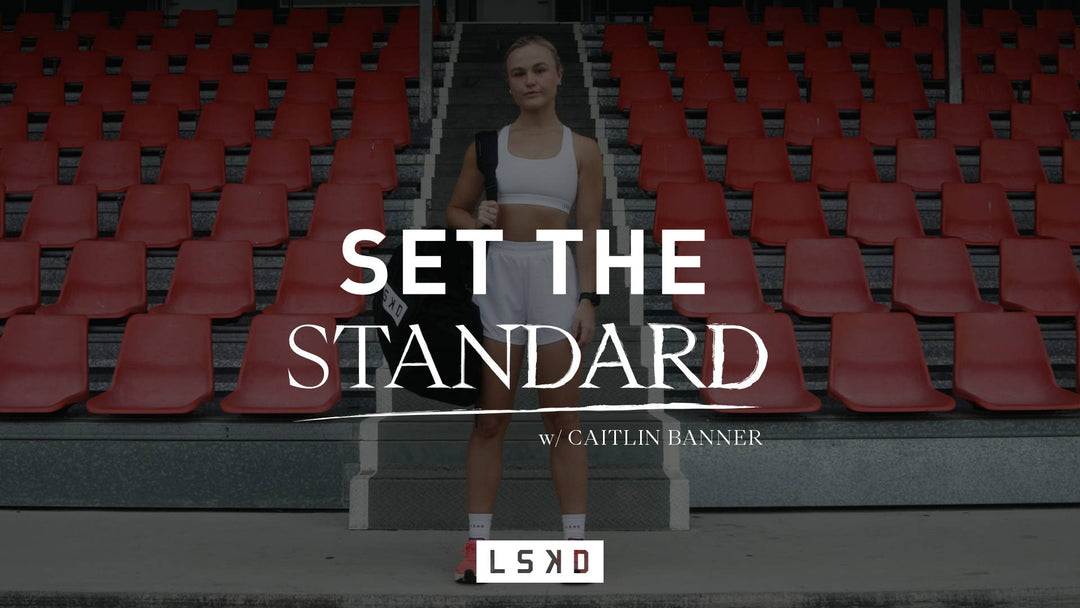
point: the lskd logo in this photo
(539, 561)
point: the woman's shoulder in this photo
(585, 147)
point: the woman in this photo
(543, 170)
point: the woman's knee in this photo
(491, 426)
(560, 421)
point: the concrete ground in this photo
(940, 557)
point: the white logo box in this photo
(539, 561)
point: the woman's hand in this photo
(487, 213)
(584, 324)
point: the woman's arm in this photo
(590, 200)
(467, 190)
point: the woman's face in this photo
(533, 77)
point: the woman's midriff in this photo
(520, 222)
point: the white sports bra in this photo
(547, 182)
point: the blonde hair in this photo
(538, 41)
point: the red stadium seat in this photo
(386, 120)
(1041, 123)
(276, 64)
(110, 166)
(74, 126)
(1016, 64)
(647, 119)
(343, 64)
(44, 363)
(1002, 21)
(926, 164)
(978, 214)
(921, 39)
(26, 165)
(143, 22)
(666, 16)
(78, 66)
(1058, 21)
(624, 34)
(293, 39)
(726, 120)
(362, 161)
(833, 59)
(772, 89)
(756, 159)
(962, 124)
(13, 122)
(350, 38)
(1000, 363)
(198, 21)
(1056, 213)
(780, 389)
(889, 60)
(643, 86)
(723, 17)
(1039, 276)
(990, 90)
(152, 125)
(35, 24)
(935, 18)
(39, 93)
(212, 278)
(405, 61)
(311, 282)
(341, 208)
(199, 163)
(901, 88)
(702, 88)
(878, 214)
(112, 93)
(256, 214)
(841, 89)
(836, 162)
(380, 86)
(152, 380)
(115, 43)
(678, 37)
(1043, 42)
(782, 212)
(805, 121)
(825, 276)
(209, 64)
(281, 161)
(763, 59)
(306, 121)
(836, 18)
(1070, 161)
(410, 16)
(245, 88)
(726, 267)
(1058, 89)
(981, 41)
(862, 38)
(88, 23)
(691, 206)
(173, 41)
(882, 124)
(738, 39)
(232, 40)
(876, 364)
(893, 19)
(403, 36)
(932, 277)
(1013, 163)
(370, 17)
(61, 216)
(670, 159)
(781, 17)
(157, 215)
(308, 87)
(232, 123)
(20, 277)
(633, 59)
(142, 66)
(263, 386)
(256, 20)
(179, 89)
(800, 38)
(105, 280)
(313, 19)
(17, 66)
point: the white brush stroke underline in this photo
(583, 408)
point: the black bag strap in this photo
(487, 160)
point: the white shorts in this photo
(519, 291)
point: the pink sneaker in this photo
(466, 570)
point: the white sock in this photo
(480, 525)
(573, 526)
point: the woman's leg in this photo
(484, 457)
(569, 463)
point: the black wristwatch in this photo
(590, 296)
